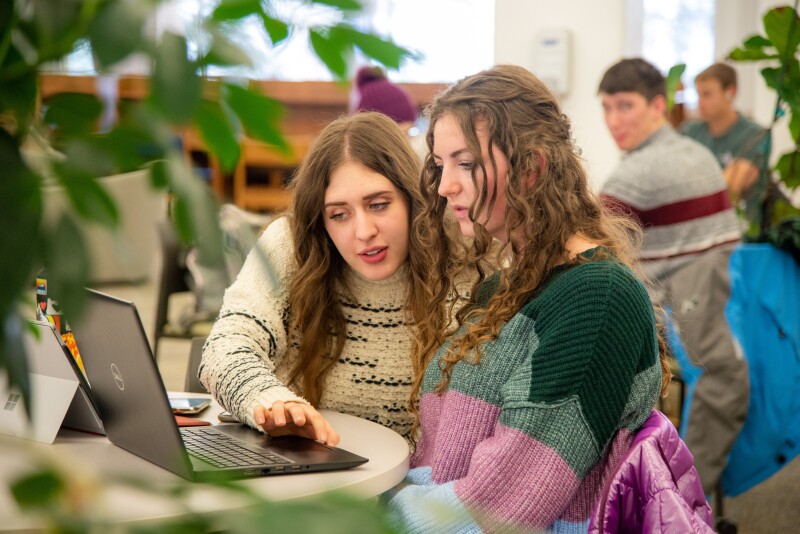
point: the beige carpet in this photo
(772, 507)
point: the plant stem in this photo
(767, 204)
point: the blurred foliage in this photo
(777, 50)
(35, 32)
(673, 82)
(65, 500)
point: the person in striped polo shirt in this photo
(526, 409)
(670, 184)
(674, 188)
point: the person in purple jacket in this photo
(527, 409)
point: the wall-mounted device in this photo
(551, 60)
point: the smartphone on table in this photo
(188, 405)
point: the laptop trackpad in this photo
(297, 449)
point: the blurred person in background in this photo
(373, 91)
(738, 143)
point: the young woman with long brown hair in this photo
(331, 300)
(557, 361)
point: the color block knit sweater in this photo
(249, 353)
(674, 186)
(525, 440)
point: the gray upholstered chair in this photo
(127, 254)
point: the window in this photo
(290, 60)
(668, 33)
(454, 37)
(80, 61)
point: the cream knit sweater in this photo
(249, 353)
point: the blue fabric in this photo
(764, 316)
(419, 505)
(567, 527)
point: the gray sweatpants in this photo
(697, 293)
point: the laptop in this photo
(59, 392)
(136, 413)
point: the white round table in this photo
(96, 465)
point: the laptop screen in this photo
(135, 410)
(128, 389)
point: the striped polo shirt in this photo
(674, 187)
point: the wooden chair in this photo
(272, 195)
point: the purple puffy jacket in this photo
(655, 487)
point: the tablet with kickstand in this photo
(60, 394)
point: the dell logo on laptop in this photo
(117, 377)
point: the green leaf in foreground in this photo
(384, 51)
(69, 266)
(216, 131)
(235, 9)
(258, 114)
(37, 490)
(276, 29)
(176, 87)
(332, 51)
(73, 113)
(789, 168)
(673, 79)
(195, 210)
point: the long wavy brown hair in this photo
(525, 122)
(375, 141)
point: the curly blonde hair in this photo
(524, 121)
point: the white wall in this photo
(600, 38)
(597, 31)
(736, 20)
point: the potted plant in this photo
(34, 33)
(778, 49)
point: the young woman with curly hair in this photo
(558, 360)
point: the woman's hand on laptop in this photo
(295, 419)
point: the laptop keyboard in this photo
(221, 450)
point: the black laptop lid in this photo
(136, 413)
(130, 395)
